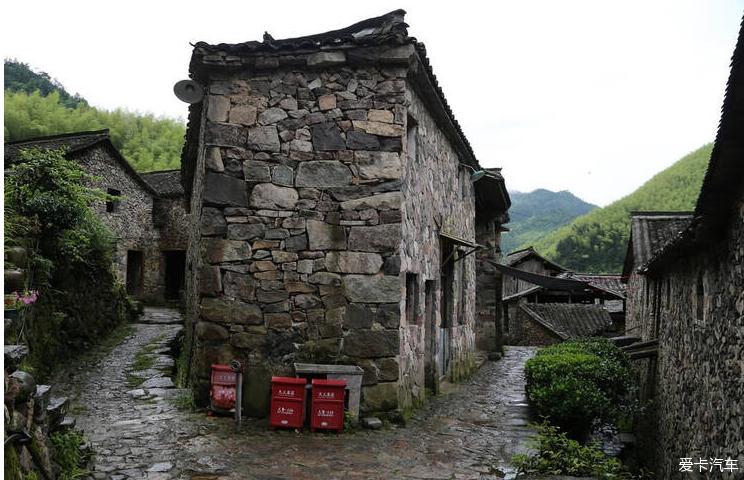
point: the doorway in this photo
(430, 341)
(447, 271)
(175, 272)
(135, 272)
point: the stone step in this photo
(41, 402)
(67, 423)
(57, 409)
(14, 355)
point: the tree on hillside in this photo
(19, 77)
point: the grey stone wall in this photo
(489, 316)
(523, 330)
(697, 386)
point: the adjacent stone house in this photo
(686, 303)
(334, 214)
(148, 219)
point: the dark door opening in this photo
(135, 268)
(430, 339)
(447, 303)
(175, 269)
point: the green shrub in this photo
(68, 455)
(556, 454)
(575, 383)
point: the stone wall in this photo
(698, 388)
(523, 330)
(489, 315)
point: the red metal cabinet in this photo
(327, 410)
(287, 402)
(223, 391)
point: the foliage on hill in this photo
(146, 141)
(533, 215)
(597, 241)
(20, 78)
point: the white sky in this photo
(588, 96)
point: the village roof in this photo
(554, 283)
(724, 179)
(386, 30)
(75, 142)
(569, 320)
(609, 283)
(566, 282)
(518, 256)
(650, 232)
(166, 182)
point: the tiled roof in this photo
(569, 320)
(166, 182)
(650, 232)
(608, 283)
(518, 256)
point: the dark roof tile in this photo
(569, 320)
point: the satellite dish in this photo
(188, 91)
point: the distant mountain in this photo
(19, 77)
(535, 214)
(597, 241)
(37, 105)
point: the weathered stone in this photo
(323, 236)
(262, 266)
(379, 128)
(279, 256)
(372, 423)
(210, 280)
(264, 138)
(358, 317)
(296, 243)
(306, 301)
(271, 115)
(271, 296)
(229, 311)
(379, 398)
(212, 222)
(325, 278)
(14, 355)
(388, 315)
(371, 288)
(299, 287)
(392, 265)
(382, 201)
(278, 320)
(288, 103)
(375, 238)
(327, 102)
(256, 171)
(358, 140)
(249, 341)
(390, 216)
(277, 233)
(225, 134)
(388, 369)
(217, 108)
(372, 343)
(238, 286)
(327, 137)
(301, 146)
(243, 114)
(385, 116)
(214, 159)
(325, 59)
(268, 275)
(259, 244)
(245, 231)
(353, 262)
(376, 165)
(268, 195)
(323, 173)
(282, 175)
(219, 250)
(221, 189)
(305, 266)
(211, 332)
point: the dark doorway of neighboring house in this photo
(447, 272)
(175, 268)
(430, 338)
(135, 268)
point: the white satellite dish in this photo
(188, 91)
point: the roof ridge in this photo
(101, 132)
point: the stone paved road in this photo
(469, 433)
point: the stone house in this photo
(527, 260)
(685, 279)
(334, 214)
(148, 219)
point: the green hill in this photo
(535, 214)
(146, 141)
(597, 241)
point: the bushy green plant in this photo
(578, 382)
(69, 455)
(556, 454)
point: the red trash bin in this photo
(327, 408)
(223, 391)
(287, 402)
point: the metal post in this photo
(238, 368)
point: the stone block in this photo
(305, 301)
(214, 159)
(221, 189)
(353, 262)
(382, 201)
(325, 59)
(239, 286)
(388, 369)
(376, 238)
(379, 128)
(372, 343)
(378, 165)
(211, 332)
(278, 321)
(327, 136)
(210, 280)
(248, 341)
(325, 278)
(230, 311)
(271, 115)
(264, 138)
(323, 236)
(268, 195)
(245, 231)
(327, 102)
(213, 221)
(282, 175)
(359, 140)
(305, 266)
(279, 256)
(217, 108)
(271, 296)
(299, 287)
(384, 116)
(243, 115)
(379, 398)
(296, 243)
(388, 315)
(256, 171)
(218, 250)
(225, 135)
(359, 317)
(371, 288)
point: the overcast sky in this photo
(588, 96)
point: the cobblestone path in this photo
(470, 432)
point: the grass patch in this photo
(134, 381)
(144, 359)
(184, 401)
(68, 454)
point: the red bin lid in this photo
(290, 380)
(329, 383)
(221, 368)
